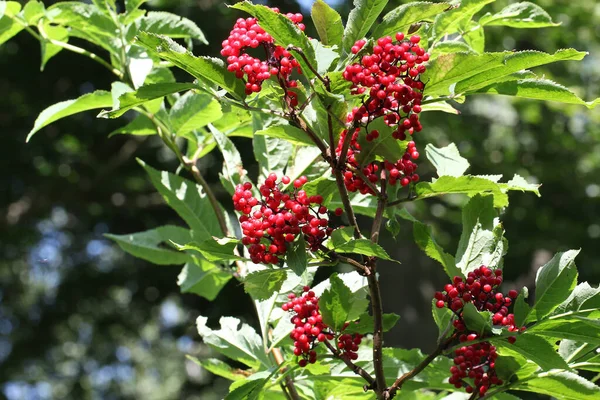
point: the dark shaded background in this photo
(79, 319)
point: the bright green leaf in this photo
(233, 170)
(328, 23)
(364, 324)
(48, 49)
(296, 256)
(9, 26)
(522, 307)
(402, 17)
(338, 304)
(219, 368)
(479, 322)
(443, 318)
(535, 348)
(563, 385)
(290, 133)
(193, 111)
(385, 147)
(33, 11)
(519, 15)
(140, 126)
(171, 25)
(364, 247)
(447, 160)
(577, 328)
(361, 18)
(262, 284)
(212, 249)
(450, 21)
(202, 278)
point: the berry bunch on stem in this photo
(278, 218)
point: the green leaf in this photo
(401, 18)
(33, 11)
(202, 68)
(272, 154)
(250, 388)
(90, 101)
(323, 186)
(538, 89)
(447, 160)
(450, 46)
(171, 25)
(240, 343)
(468, 184)
(443, 318)
(262, 284)
(283, 31)
(338, 304)
(481, 241)
(296, 256)
(563, 385)
(423, 237)
(553, 284)
(474, 36)
(325, 57)
(364, 324)
(188, 200)
(577, 328)
(219, 368)
(360, 20)
(450, 21)
(143, 95)
(522, 308)
(440, 106)
(140, 126)
(193, 111)
(49, 50)
(583, 297)
(385, 147)
(9, 26)
(364, 247)
(327, 22)
(213, 249)
(233, 170)
(476, 321)
(290, 133)
(202, 278)
(519, 15)
(132, 5)
(535, 348)
(520, 183)
(146, 245)
(459, 73)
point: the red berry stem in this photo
(355, 368)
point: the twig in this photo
(310, 66)
(339, 180)
(345, 259)
(391, 391)
(355, 368)
(400, 201)
(366, 180)
(289, 382)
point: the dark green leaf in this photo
(364, 247)
(90, 101)
(327, 22)
(171, 25)
(202, 68)
(193, 111)
(563, 385)
(364, 324)
(213, 249)
(290, 133)
(535, 348)
(360, 20)
(188, 200)
(132, 5)
(140, 126)
(338, 304)
(447, 160)
(202, 278)
(144, 95)
(519, 15)
(553, 284)
(284, 31)
(262, 284)
(147, 244)
(401, 18)
(479, 322)
(240, 343)
(296, 256)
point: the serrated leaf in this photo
(33, 11)
(364, 324)
(171, 25)
(522, 307)
(474, 36)
(443, 318)
(519, 15)
(325, 57)
(322, 186)
(132, 5)
(553, 284)
(479, 322)
(296, 256)
(202, 278)
(535, 348)
(364, 247)
(140, 126)
(188, 200)
(290, 133)
(48, 49)
(447, 160)
(233, 170)
(577, 328)
(338, 304)
(272, 154)
(468, 184)
(402, 17)
(538, 89)
(262, 284)
(440, 106)
(385, 147)
(450, 21)
(143, 95)
(146, 245)
(520, 183)
(212, 249)
(449, 46)
(219, 368)
(563, 385)
(89, 101)
(360, 20)
(283, 31)
(238, 342)
(249, 388)
(202, 68)
(193, 111)
(424, 239)
(327, 22)
(583, 297)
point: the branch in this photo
(310, 66)
(345, 259)
(400, 201)
(391, 391)
(355, 368)
(289, 382)
(339, 180)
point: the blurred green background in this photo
(81, 320)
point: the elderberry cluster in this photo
(278, 218)
(348, 344)
(248, 34)
(309, 328)
(477, 361)
(389, 82)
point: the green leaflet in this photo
(327, 22)
(360, 20)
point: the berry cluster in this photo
(278, 218)
(476, 361)
(348, 344)
(247, 33)
(308, 325)
(480, 288)
(389, 81)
